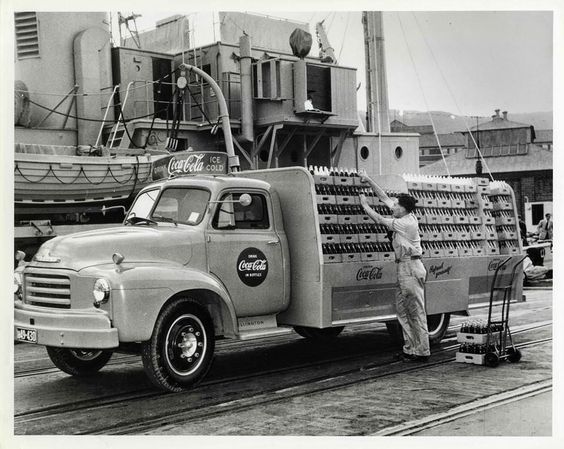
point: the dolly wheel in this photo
(491, 359)
(513, 355)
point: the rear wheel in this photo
(79, 362)
(513, 355)
(180, 351)
(314, 333)
(437, 325)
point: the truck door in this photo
(245, 253)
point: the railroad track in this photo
(224, 345)
(210, 406)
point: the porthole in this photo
(398, 152)
(364, 153)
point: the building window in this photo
(266, 79)
(27, 35)
(364, 153)
(543, 185)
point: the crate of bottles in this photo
(327, 214)
(492, 248)
(466, 357)
(484, 190)
(507, 232)
(509, 247)
(443, 187)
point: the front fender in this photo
(139, 293)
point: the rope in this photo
(154, 114)
(91, 94)
(423, 94)
(135, 172)
(344, 34)
(452, 95)
(85, 118)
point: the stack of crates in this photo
(458, 217)
(455, 216)
(506, 222)
(474, 344)
(347, 233)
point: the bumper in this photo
(67, 328)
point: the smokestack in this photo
(504, 115)
(376, 82)
(497, 113)
(247, 119)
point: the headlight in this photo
(101, 292)
(17, 283)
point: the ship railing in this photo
(198, 97)
(107, 110)
(120, 118)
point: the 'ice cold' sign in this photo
(191, 162)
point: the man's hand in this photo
(363, 176)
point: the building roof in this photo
(446, 140)
(458, 164)
(499, 123)
(543, 135)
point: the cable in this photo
(332, 20)
(452, 95)
(423, 93)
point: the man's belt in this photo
(410, 258)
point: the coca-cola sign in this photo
(191, 162)
(252, 267)
(369, 273)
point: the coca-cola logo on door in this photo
(252, 267)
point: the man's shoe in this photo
(405, 357)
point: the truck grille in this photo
(47, 290)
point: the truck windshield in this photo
(181, 205)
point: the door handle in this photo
(273, 242)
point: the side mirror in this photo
(104, 209)
(245, 200)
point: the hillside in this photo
(447, 122)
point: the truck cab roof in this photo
(214, 183)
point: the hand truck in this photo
(503, 349)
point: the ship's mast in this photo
(376, 83)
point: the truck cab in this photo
(188, 245)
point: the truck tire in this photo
(437, 326)
(79, 362)
(313, 333)
(180, 351)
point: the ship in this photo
(95, 117)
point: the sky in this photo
(464, 62)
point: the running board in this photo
(252, 327)
(262, 333)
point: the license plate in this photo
(29, 335)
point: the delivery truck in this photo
(204, 254)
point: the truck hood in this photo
(136, 243)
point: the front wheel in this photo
(313, 333)
(180, 351)
(437, 326)
(79, 362)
